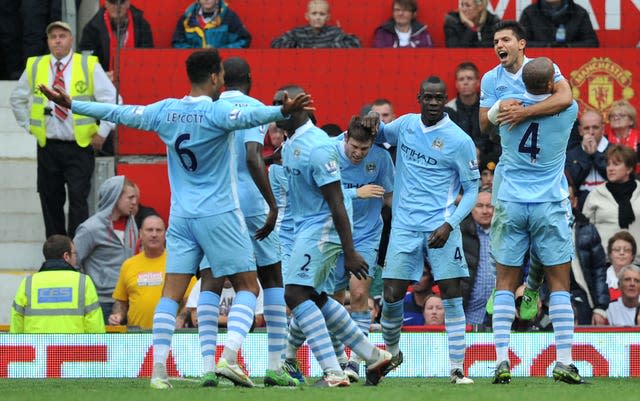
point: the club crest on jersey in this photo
(296, 153)
(332, 167)
(473, 164)
(370, 167)
(233, 114)
(437, 144)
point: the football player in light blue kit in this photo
(367, 176)
(533, 211)
(205, 216)
(259, 208)
(498, 85)
(435, 160)
(322, 232)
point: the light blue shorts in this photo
(341, 277)
(543, 227)
(286, 247)
(223, 238)
(267, 251)
(407, 251)
(312, 264)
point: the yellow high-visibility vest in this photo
(56, 301)
(80, 88)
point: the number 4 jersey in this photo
(533, 156)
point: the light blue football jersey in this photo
(431, 164)
(533, 156)
(498, 84)
(251, 201)
(197, 132)
(376, 168)
(311, 161)
(280, 187)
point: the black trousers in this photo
(60, 164)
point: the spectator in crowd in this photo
(403, 29)
(273, 140)
(210, 23)
(141, 278)
(65, 157)
(586, 163)
(478, 287)
(622, 127)
(623, 311)
(588, 269)
(615, 205)
(22, 32)
(464, 109)
(414, 300)
(470, 26)
(140, 211)
(117, 24)
(384, 108)
(332, 129)
(106, 239)
(558, 23)
(50, 300)
(317, 34)
(487, 167)
(226, 300)
(433, 313)
(622, 249)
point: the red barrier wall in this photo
(616, 21)
(342, 80)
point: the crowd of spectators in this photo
(213, 23)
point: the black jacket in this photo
(471, 248)
(96, 38)
(541, 27)
(593, 261)
(457, 34)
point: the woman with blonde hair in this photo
(470, 26)
(622, 118)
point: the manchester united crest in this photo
(600, 82)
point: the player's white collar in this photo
(517, 74)
(443, 121)
(302, 129)
(231, 93)
(536, 98)
(192, 99)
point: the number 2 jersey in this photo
(533, 156)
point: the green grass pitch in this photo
(520, 389)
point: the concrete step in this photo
(5, 88)
(18, 173)
(21, 227)
(19, 200)
(21, 255)
(7, 121)
(17, 145)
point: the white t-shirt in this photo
(403, 38)
(620, 315)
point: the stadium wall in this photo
(605, 353)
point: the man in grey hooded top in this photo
(108, 238)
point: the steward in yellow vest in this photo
(57, 299)
(80, 88)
